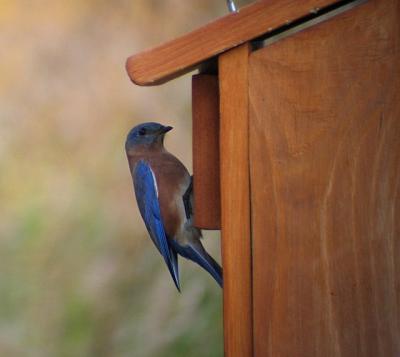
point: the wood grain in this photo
(171, 59)
(325, 187)
(206, 182)
(235, 202)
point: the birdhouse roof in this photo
(183, 54)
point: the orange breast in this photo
(172, 181)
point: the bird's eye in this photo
(142, 131)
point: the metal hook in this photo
(231, 6)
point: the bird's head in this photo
(147, 134)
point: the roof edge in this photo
(183, 54)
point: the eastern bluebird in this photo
(163, 189)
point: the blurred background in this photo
(78, 274)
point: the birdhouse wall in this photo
(310, 181)
(324, 159)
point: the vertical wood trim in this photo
(235, 201)
(206, 184)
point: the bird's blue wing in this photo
(147, 198)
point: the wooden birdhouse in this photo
(296, 152)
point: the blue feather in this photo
(149, 207)
(196, 253)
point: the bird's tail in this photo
(196, 252)
(173, 268)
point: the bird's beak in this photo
(166, 129)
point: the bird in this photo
(164, 194)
